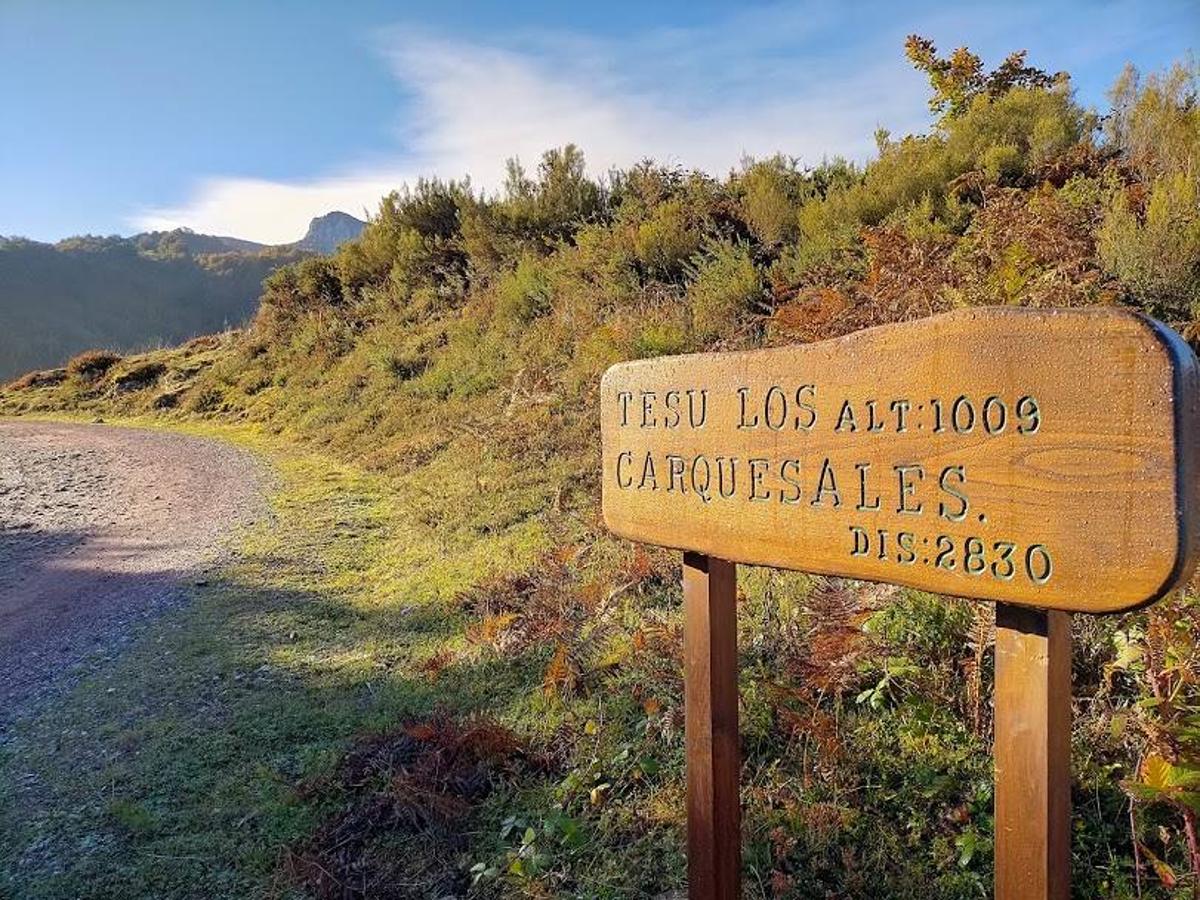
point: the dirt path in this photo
(101, 529)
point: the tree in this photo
(1155, 121)
(959, 78)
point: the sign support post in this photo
(711, 710)
(1033, 753)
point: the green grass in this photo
(181, 769)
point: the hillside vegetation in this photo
(149, 290)
(450, 358)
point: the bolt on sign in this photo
(1043, 460)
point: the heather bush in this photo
(1155, 120)
(523, 294)
(92, 364)
(666, 239)
(724, 288)
(1155, 250)
(419, 225)
(474, 361)
(139, 375)
(661, 338)
(1038, 124)
(770, 193)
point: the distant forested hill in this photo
(132, 293)
(127, 293)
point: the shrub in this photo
(725, 285)
(405, 366)
(661, 338)
(1087, 193)
(293, 291)
(1032, 249)
(559, 201)
(665, 240)
(535, 214)
(167, 400)
(1039, 123)
(1155, 122)
(926, 219)
(604, 261)
(771, 193)
(425, 216)
(1003, 137)
(555, 204)
(92, 364)
(473, 362)
(1003, 163)
(523, 294)
(594, 352)
(909, 276)
(396, 351)
(317, 283)
(206, 399)
(484, 240)
(829, 245)
(1156, 254)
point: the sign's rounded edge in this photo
(1185, 402)
(610, 373)
(618, 370)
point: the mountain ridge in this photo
(328, 232)
(325, 234)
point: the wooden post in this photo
(714, 845)
(1033, 754)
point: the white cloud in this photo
(701, 98)
(270, 211)
(808, 80)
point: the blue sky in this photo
(248, 118)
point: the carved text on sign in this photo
(1002, 454)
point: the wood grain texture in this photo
(1044, 458)
(1033, 754)
(711, 712)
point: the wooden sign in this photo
(1035, 457)
(1041, 459)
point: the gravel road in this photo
(102, 529)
